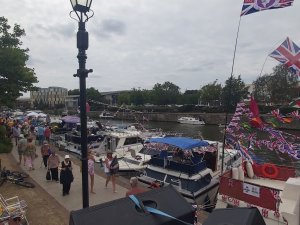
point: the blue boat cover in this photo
(180, 142)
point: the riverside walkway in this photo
(73, 201)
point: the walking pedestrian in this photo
(45, 152)
(53, 164)
(110, 173)
(21, 148)
(30, 153)
(40, 134)
(47, 133)
(66, 175)
(91, 169)
(16, 133)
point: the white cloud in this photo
(137, 43)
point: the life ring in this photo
(270, 171)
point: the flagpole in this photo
(230, 87)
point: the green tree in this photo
(166, 93)
(124, 98)
(136, 96)
(277, 87)
(189, 97)
(74, 92)
(262, 87)
(91, 94)
(211, 93)
(233, 92)
(15, 76)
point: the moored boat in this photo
(274, 190)
(190, 120)
(106, 115)
(192, 166)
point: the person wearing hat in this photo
(45, 152)
(21, 148)
(66, 175)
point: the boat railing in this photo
(77, 139)
(184, 167)
(233, 190)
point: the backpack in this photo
(114, 166)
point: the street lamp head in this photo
(82, 6)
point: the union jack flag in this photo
(252, 6)
(288, 53)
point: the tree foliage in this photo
(91, 94)
(233, 92)
(277, 87)
(124, 98)
(166, 93)
(189, 97)
(211, 93)
(15, 76)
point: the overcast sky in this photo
(138, 43)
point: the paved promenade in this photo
(73, 201)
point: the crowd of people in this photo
(28, 137)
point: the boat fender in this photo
(235, 173)
(249, 170)
(241, 173)
(270, 171)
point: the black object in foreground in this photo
(15, 177)
(124, 211)
(235, 216)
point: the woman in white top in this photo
(108, 173)
(91, 169)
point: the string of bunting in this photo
(119, 108)
(240, 132)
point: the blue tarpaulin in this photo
(180, 142)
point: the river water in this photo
(213, 133)
(210, 132)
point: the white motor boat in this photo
(106, 115)
(190, 120)
(135, 161)
(120, 143)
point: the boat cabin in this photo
(171, 153)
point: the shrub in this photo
(6, 147)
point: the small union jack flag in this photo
(288, 53)
(252, 6)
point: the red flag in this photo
(88, 108)
(253, 107)
(256, 122)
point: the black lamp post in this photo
(81, 8)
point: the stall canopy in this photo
(180, 142)
(34, 114)
(42, 115)
(71, 119)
